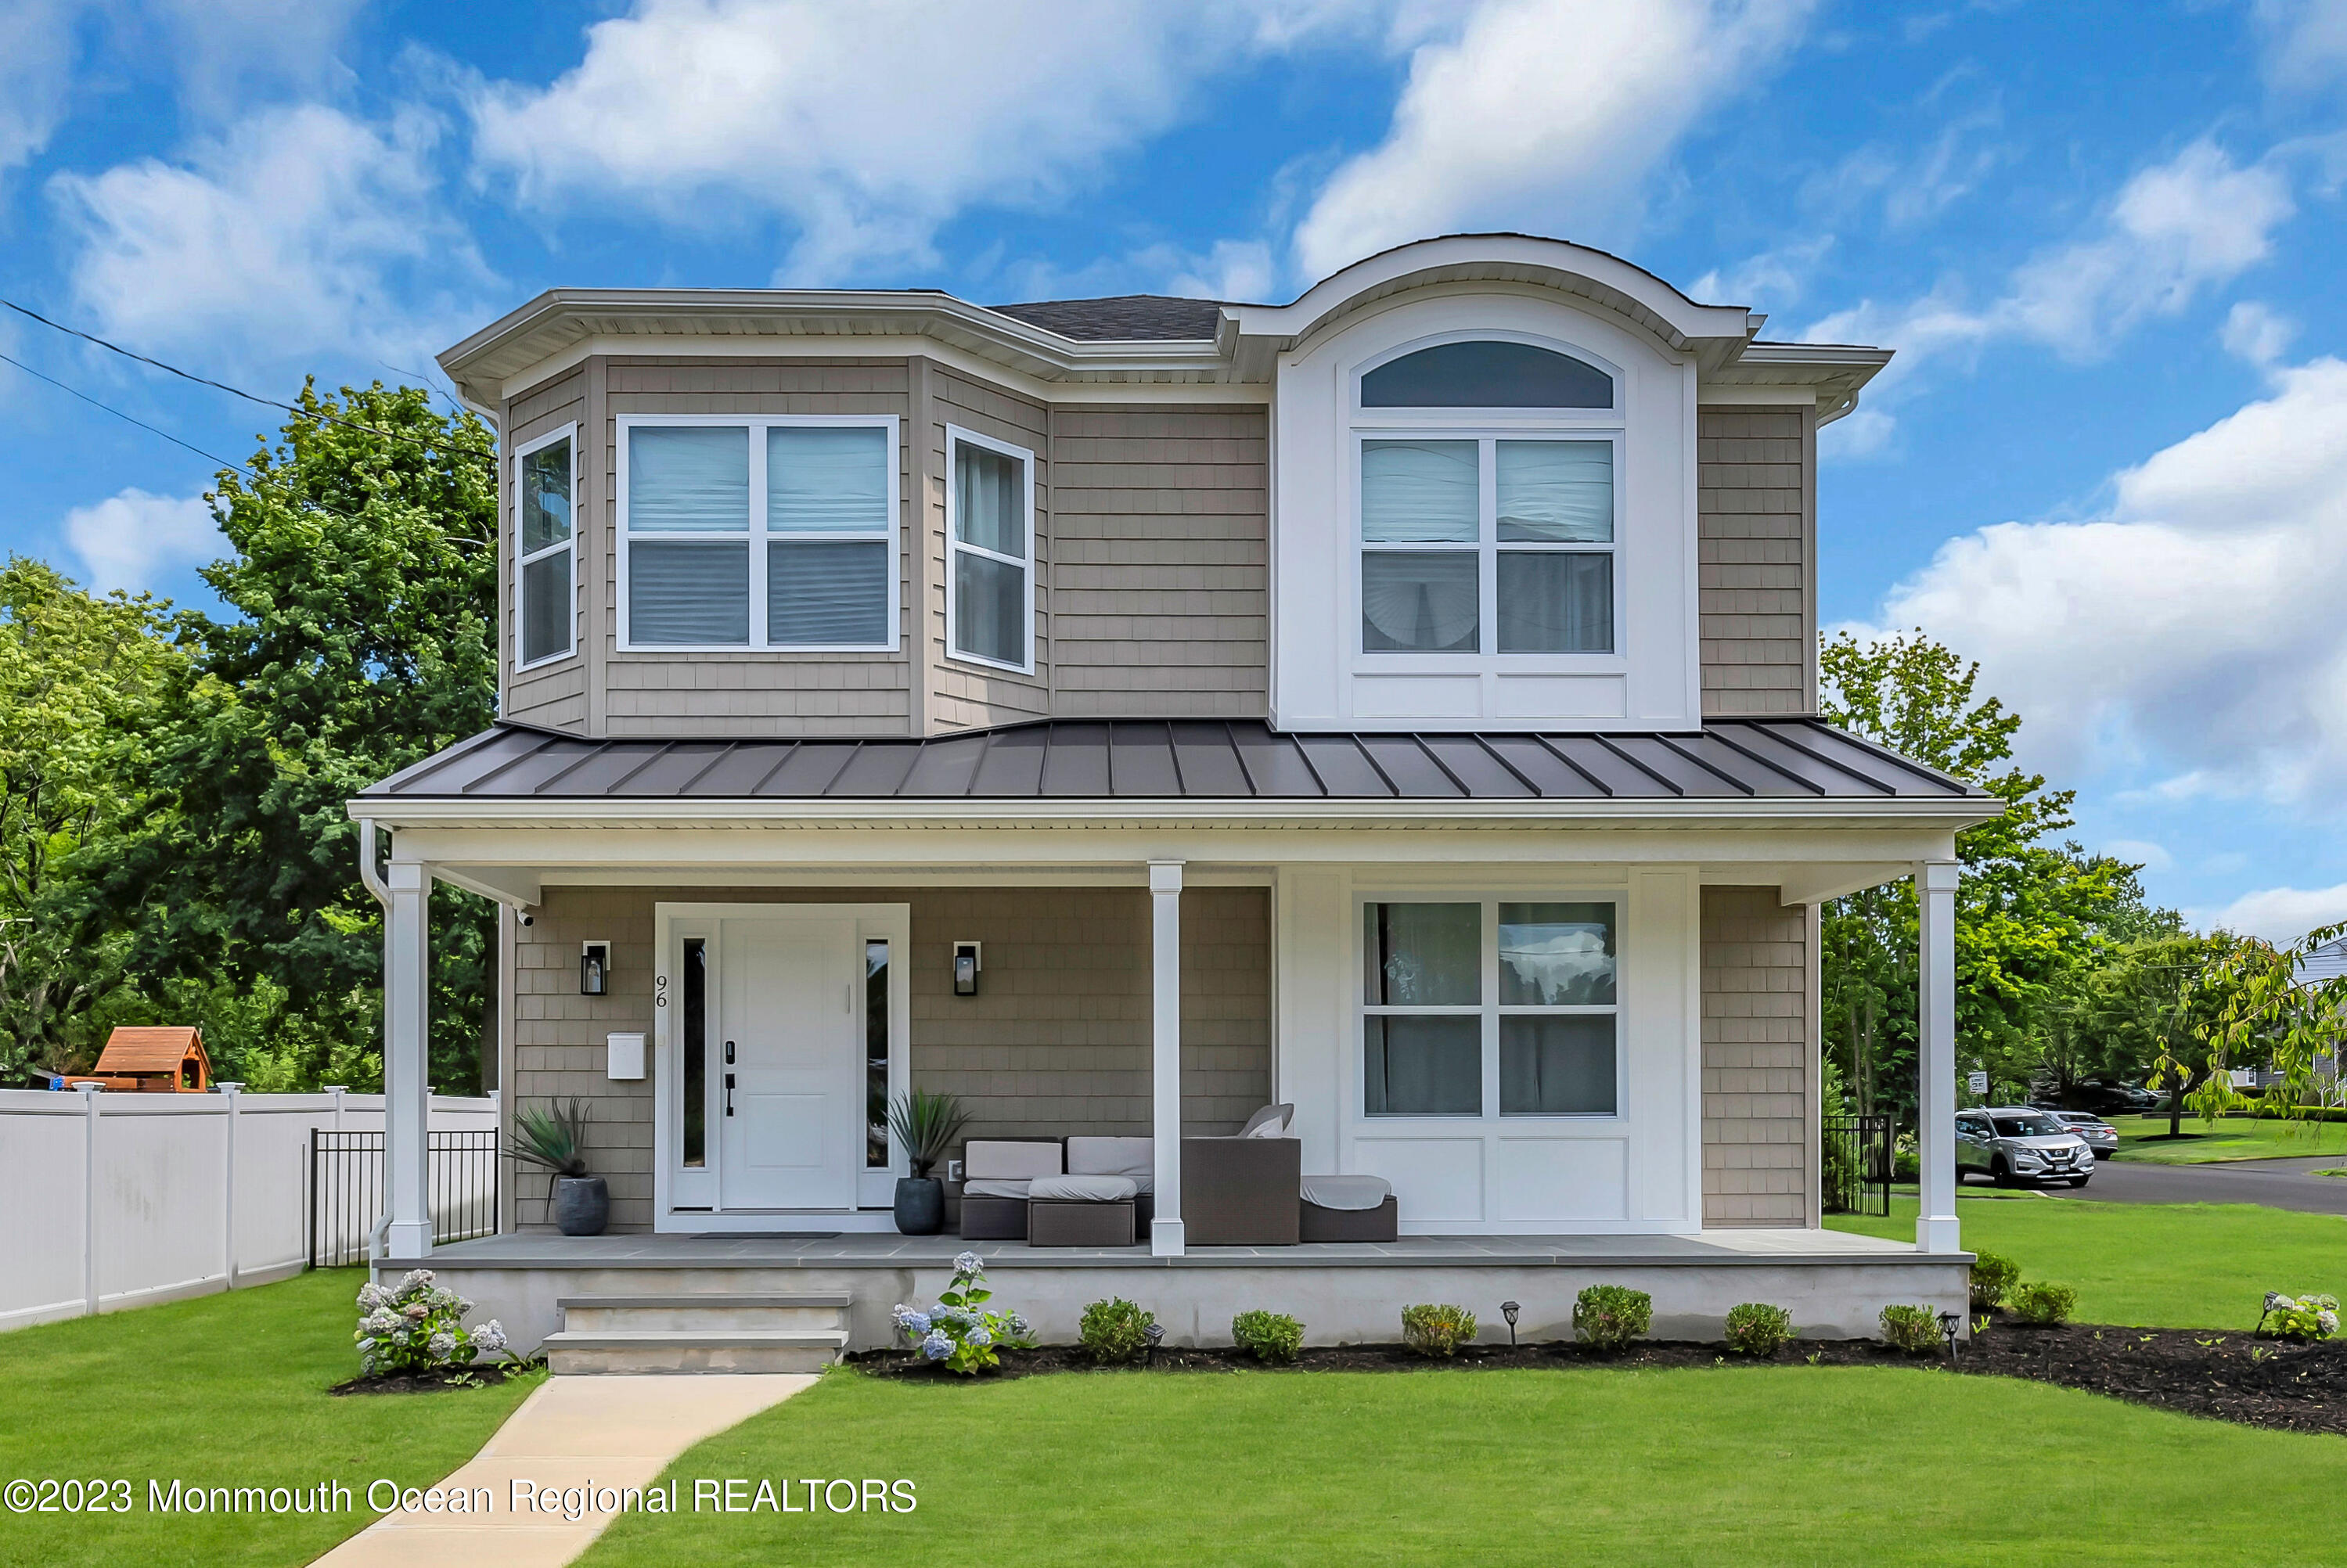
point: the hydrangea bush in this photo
(2303, 1318)
(418, 1325)
(956, 1334)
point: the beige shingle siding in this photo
(552, 694)
(1161, 587)
(1760, 1060)
(1055, 1042)
(1755, 558)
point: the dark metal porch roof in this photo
(1183, 759)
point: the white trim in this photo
(955, 435)
(755, 536)
(570, 543)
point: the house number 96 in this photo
(660, 991)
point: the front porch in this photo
(1345, 1293)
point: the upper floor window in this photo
(546, 487)
(1497, 540)
(991, 575)
(775, 532)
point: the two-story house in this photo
(1125, 714)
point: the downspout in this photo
(375, 885)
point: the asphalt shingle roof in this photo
(1122, 318)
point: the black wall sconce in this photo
(594, 968)
(966, 966)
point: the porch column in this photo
(1935, 1067)
(1165, 1049)
(406, 1097)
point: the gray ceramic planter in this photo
(582, 1205)
(920, 1205)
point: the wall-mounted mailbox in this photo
(966, 966)
(623, 1057)
(594, 968)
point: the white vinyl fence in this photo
(112, 1200)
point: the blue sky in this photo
(2110, 462)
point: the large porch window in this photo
(1468, 1006)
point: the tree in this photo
(2261, 1009)
(2027, 912)
(2149, 998)
(82, 678)
(359, 638)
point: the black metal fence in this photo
(1858, 1156)
(346, 1190)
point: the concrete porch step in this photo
(710, 1313)
(572, 1352)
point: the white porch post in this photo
(1935, 1096)
(406, 1100)
(1165, 1049)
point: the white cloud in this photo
(2195, 630)
(2278, 914)
(868, 127)
(36, 56)
(302, 231)
(1544, 115)
(2305, 42)
(2256, 332)
(225, 49)
(132, 539)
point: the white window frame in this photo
(955, 435)
(1490, 1010)
(757, 539)
(564, 433)
(1486, 426)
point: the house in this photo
(1399, 704)
(154, 1060)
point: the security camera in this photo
(528, 918)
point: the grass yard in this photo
(223, 1391)
(1781, 1464)
(2169, 1266)
(2233, 1138)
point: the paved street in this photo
(2277, 1183)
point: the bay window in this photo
(545, 554)
(990, 550)
(761, 532)
(1505, 1003)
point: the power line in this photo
(238, 390)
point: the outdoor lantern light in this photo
(1508, 1309)
(594, 968)
(965, 967)
(1948, 1323)
(1156, 1335)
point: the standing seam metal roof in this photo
(1184, 759)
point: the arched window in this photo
(1487, 375)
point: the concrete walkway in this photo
(572, 1433)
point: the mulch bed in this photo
(439, 1380)
(2224, 1374)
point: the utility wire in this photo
(237, 391)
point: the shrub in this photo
(1993, 1279)
(1913, 1330)
(1437, 1330)
(1757, 1329)
(416, 1325)
(955, 1333)
(1608, 1317)
(2305, 1318)
(2045, 1304)
(1272, 1337)
(1116, 1330)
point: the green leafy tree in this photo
(83, 679)
(359, 637)
(2028, 911)
(2248, 1005)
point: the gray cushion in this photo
(1004, 1160)
(1271, 1122)
(993, 1187)
(1135, 1159)
(1080, 1189)
(1353, 1193)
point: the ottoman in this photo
(1079, 1211)
(1348, 1208)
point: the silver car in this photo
(2013, 1144)
(2100, 1135)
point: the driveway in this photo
(2277, 1183)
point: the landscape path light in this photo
(1508, 1309)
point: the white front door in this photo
(791, 1133)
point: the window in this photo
(759, 532)
(875, 1054)
(990, 506)
(546, 483)
(1487, 375)
(1527, 989)
(695, 1095)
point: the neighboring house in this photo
(1399, 702)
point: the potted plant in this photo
(926, 1125)
(553, 1135)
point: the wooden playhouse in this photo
(167, 1059)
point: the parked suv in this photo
(2017, 1143)
(2100, 1135)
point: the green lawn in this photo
(2174, 1266)
(2233, 1138)
(224, 1390)
(1783, 1464)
